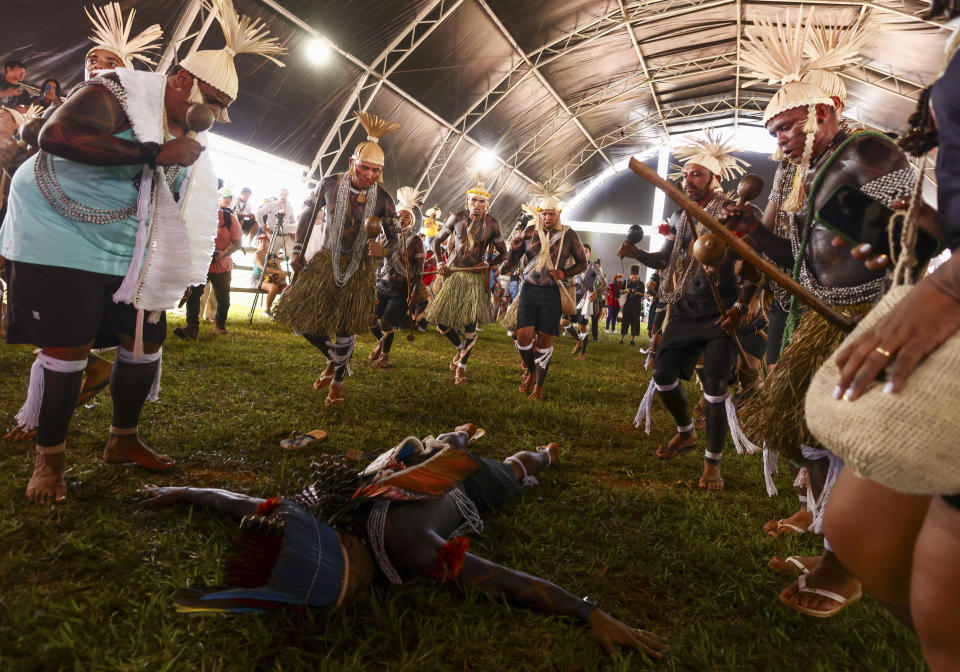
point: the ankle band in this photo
(52, 450)
(122, 431)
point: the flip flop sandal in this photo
(664, 453)
(786, 529)
(477, 435)
(298, 440)
(842, 602)
(793, 565)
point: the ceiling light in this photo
(318, 51)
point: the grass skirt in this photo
(462, 300)
(314, 304)
(509, 319)
(774, 412)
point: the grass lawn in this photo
(88, 585)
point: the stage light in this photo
(318, 51)
(485, 161)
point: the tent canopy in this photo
(558, 90)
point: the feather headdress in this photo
(407, 200)
(242, 35)
(775, 51)
(548, 199)
(32, 112)
(111, 33)
(715, 153)
(369, 150)
(832, 45)
(481, 178)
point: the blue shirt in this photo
(35, 233)
(945, 100)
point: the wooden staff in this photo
(740, 246)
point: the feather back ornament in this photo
(715, 153)
(242, 35)
(111, 33)
(407, 199)
(428, 480)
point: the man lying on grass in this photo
(323, 546)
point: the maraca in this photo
(634, 234)
(372, 226)
(199, 118)
(709, 250)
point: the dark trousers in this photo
(221, 289)
(631, 320)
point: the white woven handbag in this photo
(908, 441)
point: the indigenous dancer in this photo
(696, 325)
(804, 120)
(462, 303)
(331, 300)
(589, 286)
(552, 253)
(113, 48)
(400, 281)
(76, 240)
(324, 546)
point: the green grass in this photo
(88, 585)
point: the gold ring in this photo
(885, 353)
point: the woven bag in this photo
(908, 441)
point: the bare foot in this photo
(679, 444)
(334, 395)
(47, 484)
(375, 353)
(382, 363)
(468, 427)
(581, 357)
(460, 377)
(455, 360)
(161, 496)
(798, 523)
(552, 450)
(128, 448)
(324, 378)
(537, 393)
(18, 433)
(828, 575)
(710, 479)
(528, 380)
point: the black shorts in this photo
(539, 307)
(683, 342)
(775, 326)
(391, 307)
(247, 224)
(492, 484)
(56, 307)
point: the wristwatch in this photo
(741, 307)
(149, 151)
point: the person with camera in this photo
(267, 265)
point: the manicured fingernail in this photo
(883, 259)
(888, 388)
(849, 393)
(837, 392)
(865, 248)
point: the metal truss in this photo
(908, 9)
(543, 80)
(372, 80)
(885, 81)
